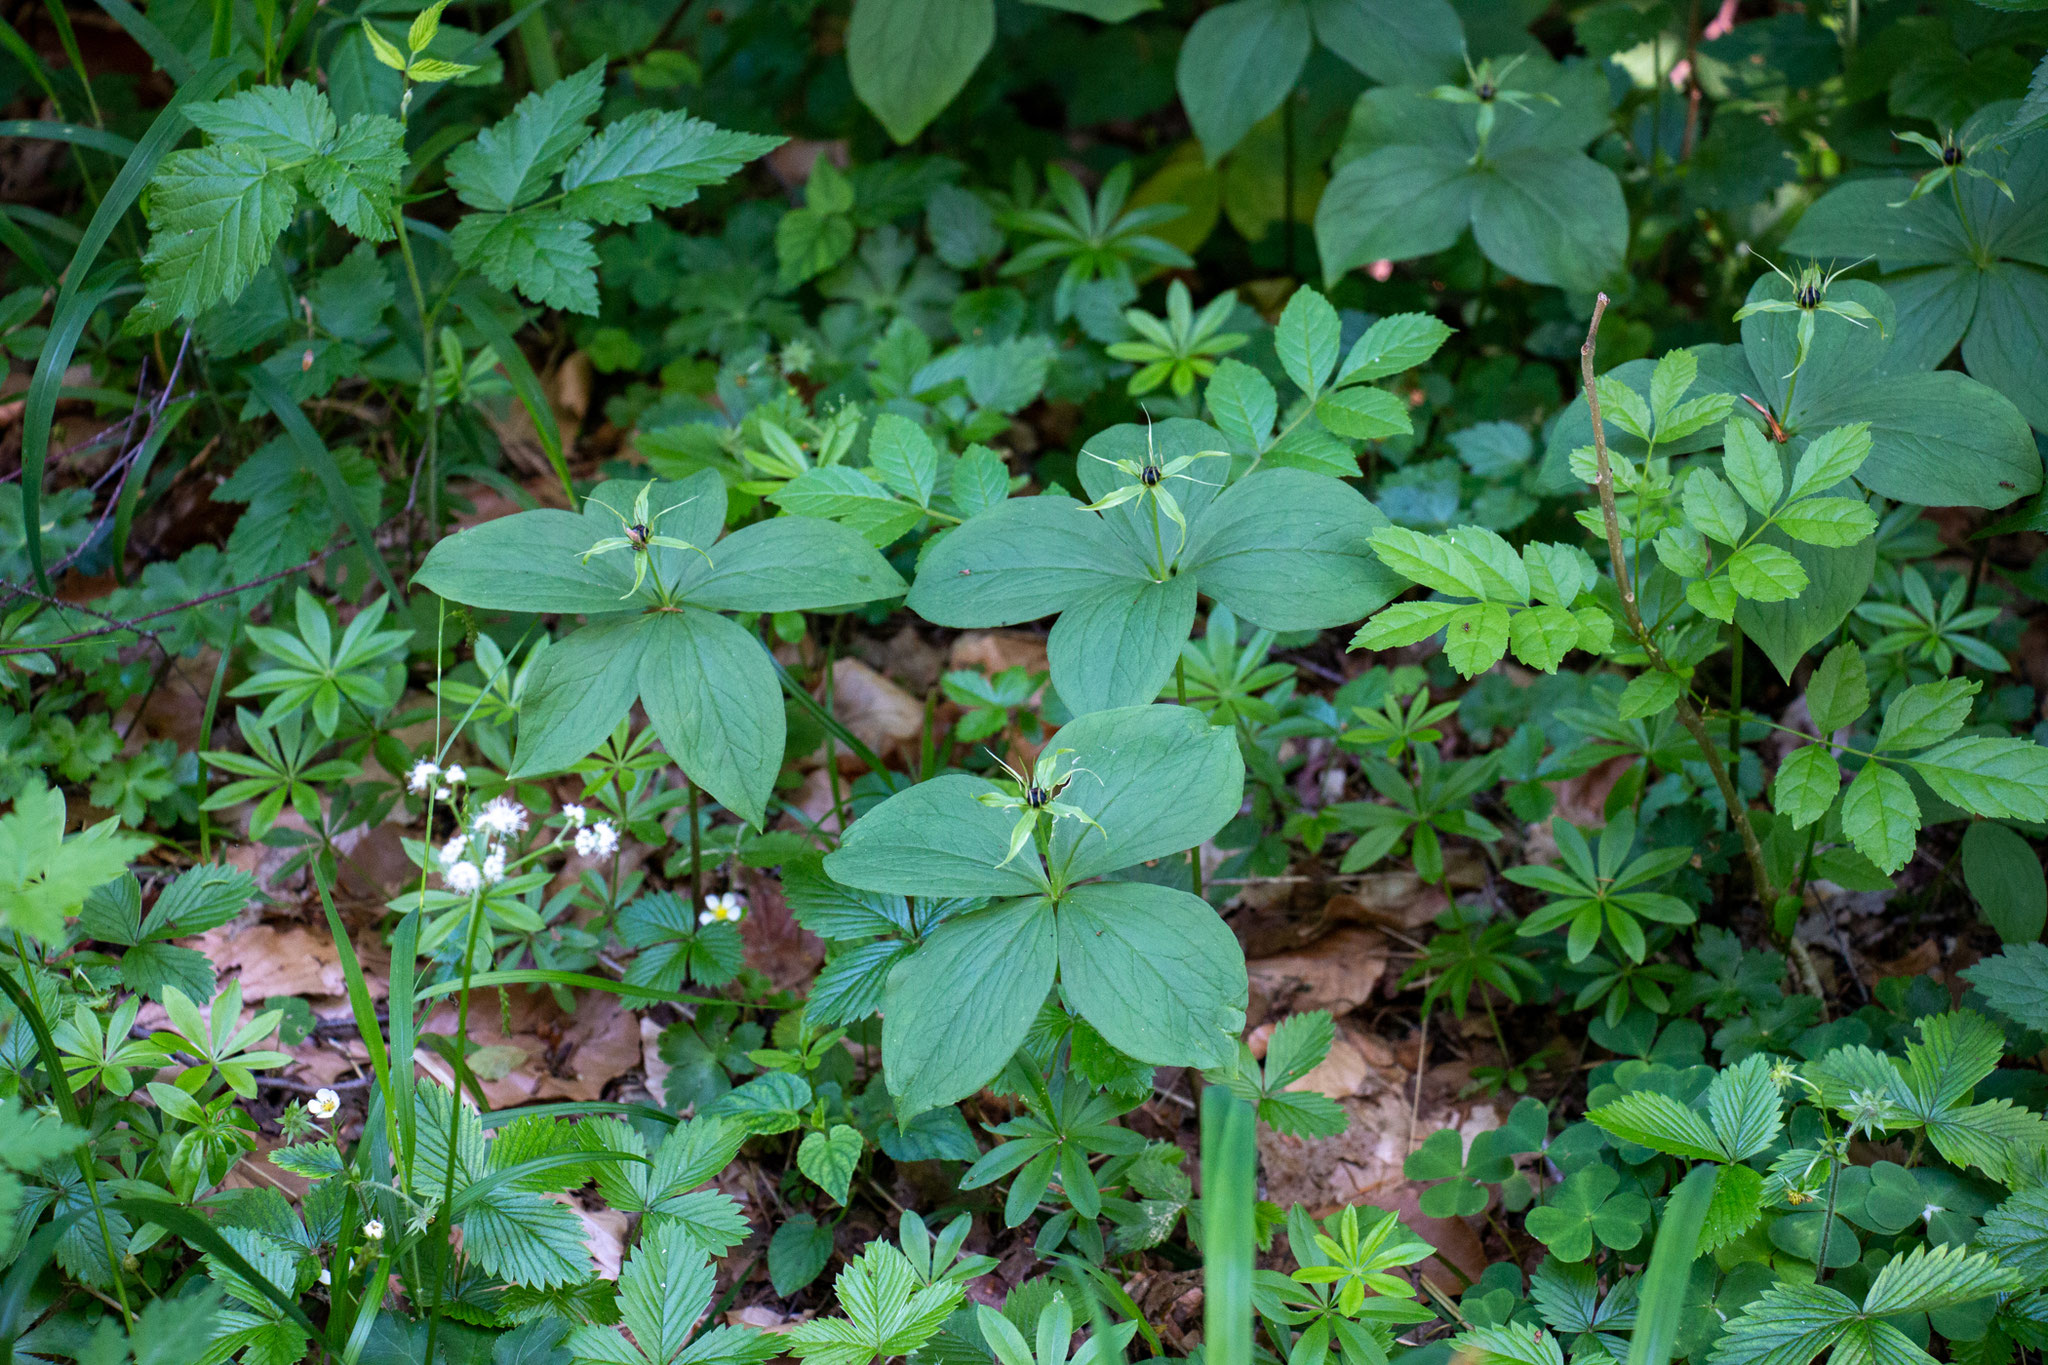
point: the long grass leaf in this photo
(1670, 1272)
(317, 457)
(1229, 1207)
(74, 306)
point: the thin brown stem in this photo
(1688, 714)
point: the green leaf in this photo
(1237, 62)
(1715, 597)
(214, 215)
(655, 159)
(2016, 984)
(1309, 332)
(2004, 874)
(1243, 404)
(1788, 1324)
(909, 58)
(45, 876)
(1928, 1278)
(1647, 694)
(887, 1312)
(1158, 779)
(904, 456)
(711, 695)
(1712, 507)
(1657, 1121)
(1751, 463)
(1289, 550)
(980, 480)
(1405, 623)
(664, 1288)
(1926, 714)
(1880, 816)
(356, 177)
(1392, 346)
(2006, 779)
(1839, 692)
(541, 253)
(1510, 1344)
(1744, 1107)
(829, 1158)
(1475, 637)
(1116, 646)
(1765, 573)
(1157, 973)
(1020, 560)
(936, 839)
(1836, 582)
(1828, 521)
(788, 564)
(1829, 458)
(798, 1253)
(1364, 414)
(1542, 636)
(1734, 1208)
(851, 498)
(510, 163)
(579, 692)
(1002, 959)
(1806, 785)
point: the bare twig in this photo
(200, 601)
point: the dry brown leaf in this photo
(992, 651)
(275, 959)
(1336, 973)
(1341, 1074)
(883, 715)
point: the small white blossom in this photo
(725, 908)
(463, 878)
(597, 841)
(325, 1277)
(443, 794)
(324, 1104)
(422, 777)
(455, 776)
(374, 1230)
(501, 817)
(452, 851)
(494, 868)
(574, 816)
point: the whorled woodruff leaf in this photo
(708, 686)
(1152, 969)
(1282, 548)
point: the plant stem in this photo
(1180, 690)
(696, 860)
(1688, 715)
(1735, 692)
(476, 920)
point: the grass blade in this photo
(1229, 1207)
(470, 299)
(74, 306)
(1670, 1272)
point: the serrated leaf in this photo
(1713, 597)
(1307, 337)
(1926, 714)
(651, 160)
(1647, 694)
(903, 454)
(1788, 1324)
(1751, 464)
(1364, 414)
(542, 254)
(1830, 458)
(1839, 692)
(214, 215)
(1475, 637)
(510, 163)
(2016, 984)
(1392, 345)
(1435, 562)
(1713, 508)
(291, 123)
(1404, 623)
(1243, 403)
(1765, 573)
(1881, 817)
(356, 177)
(1657, 1121)
(1833, 522)
(1927, 1278)
(829, 1159)
(1674, 374)
(2006, 779)
(1743, 1107)
(1542, 636)
(1806, 785)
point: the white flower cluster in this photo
(477, 857)
(600, 840)
(723, 908)
(426, 773)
